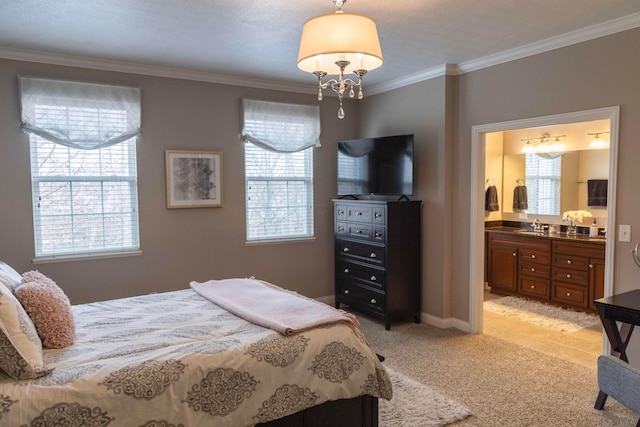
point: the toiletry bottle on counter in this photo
(593, 230)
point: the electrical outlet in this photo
(624, 233)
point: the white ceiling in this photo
(255, 42)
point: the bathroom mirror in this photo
(577, 167)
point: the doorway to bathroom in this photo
(480, 135)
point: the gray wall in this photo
(178, 245)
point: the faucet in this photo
(537, 226)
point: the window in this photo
(83, 171)
(543, 184)
(279, 169)
(279, 189)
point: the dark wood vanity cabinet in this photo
(518, 264)
(562, 271)
(377, 257)
(578, 273)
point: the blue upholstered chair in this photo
(618, 379)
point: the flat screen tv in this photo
(376, 166)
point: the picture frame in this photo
(194, 178)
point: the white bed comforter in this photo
(175, 359)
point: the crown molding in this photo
(149, 70)
(589, 33)
(574, 37)
(442, 70)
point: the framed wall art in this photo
(194, 179)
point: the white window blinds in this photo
(543, 184)
(85, 201)
(279, 169)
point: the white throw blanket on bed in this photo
(270, 306)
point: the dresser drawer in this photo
(359, 231)
(575, 277)
(361, 251)
(360, 296)
(534, 270)
(534, 287)
(568, 294)
(571, 261)
(340, 212)
(379, 215)
(370, 276)
(341, 229)
(360, 213)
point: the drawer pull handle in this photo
(340, 212)
(533, 256)
(533, 287)
(568, 261)
(378, 234)
(590, 265)
(373, 301)
(514, 254)
(533, 269)
(373, 255)
(359, 214)
(568, 276)
(340, 228)
(378, 215)
(373, 278)
(346, 291)
(358, 231)
(568, 294)
(346, 270)
(345, 250)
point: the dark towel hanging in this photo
(491, 199)
(597, 192)
(520, 198)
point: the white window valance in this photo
(79, 115)
(284, 128)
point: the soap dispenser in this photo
(593, 230)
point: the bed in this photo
(178, 359)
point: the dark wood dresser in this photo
(377, 257)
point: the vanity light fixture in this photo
(543, 146)
(598, 143)
(330, 43)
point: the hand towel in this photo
(491, 199)
(520, 198)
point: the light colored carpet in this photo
(502, 383)
(416, 405)
(541, 314)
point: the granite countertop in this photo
(546, 235)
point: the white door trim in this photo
(476, 226)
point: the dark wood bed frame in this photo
(357, 412)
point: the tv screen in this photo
(381, 166)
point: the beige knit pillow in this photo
(49, 309)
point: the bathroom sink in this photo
(525, 231)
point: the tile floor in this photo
(582, 347)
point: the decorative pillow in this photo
(20, 346)
(9, 277)
(49, 309)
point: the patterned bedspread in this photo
(176, 359)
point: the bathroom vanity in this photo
(555, 268)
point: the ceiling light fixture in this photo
(330, 43)
(597, 142)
